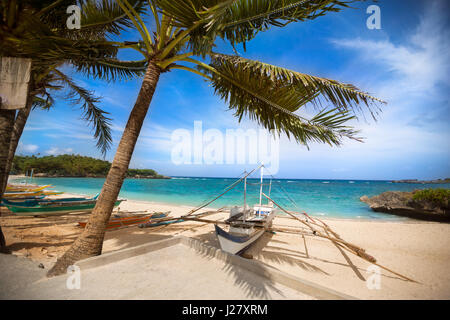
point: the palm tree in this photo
(37, 30)
(263, 92)
(41, 97)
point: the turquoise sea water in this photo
(327, 198)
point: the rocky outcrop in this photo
(402, 204)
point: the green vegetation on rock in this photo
(439, 197)
(72, 166)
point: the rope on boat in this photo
(220, 195)
(289, 197)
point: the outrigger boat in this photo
(26, 188)
(246, 224)
(13, 189)
(30, 193)
(56, 208)
(23, 198)
(34, 202)
(115, 223)
(10, 195)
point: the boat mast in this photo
(245, 197)
(270, 188)
(260, 190)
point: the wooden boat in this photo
(245, 230)
(157, 224)
(9, 195)
(55, 208)
(26, 188)
(14, 195)
(25, 198)
(246, 224)
(126, 221)
(34, 202)
(51, 193)
(23, 192)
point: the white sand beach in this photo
(418, 250)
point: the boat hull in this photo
(36, 202)
(127, 221)
(49, 210)
(25, 189)
(236, 244)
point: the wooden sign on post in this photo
(14, 78)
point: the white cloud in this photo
(26, 148)
(419, 64)
(54, 151)
(410, 74)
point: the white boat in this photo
(246, 225)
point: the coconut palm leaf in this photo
(43, 103)
(110, 69)
(238, 21)
(91, 113)
(105, 17)
(98, 18)
(270, 95)
(313, 89)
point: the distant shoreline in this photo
(416, 181)
(412, 181)
(41, 175)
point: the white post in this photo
(260, 190)
(245, 199)
(270, 189)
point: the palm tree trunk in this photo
(19, 125)
(6, 126)
(90, 242)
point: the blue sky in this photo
(406, 63)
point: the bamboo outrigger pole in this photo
(226, 190)
(360, 252)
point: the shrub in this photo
(71, 166)
(439, 197)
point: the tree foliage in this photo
(439, 197)
(270, 95)
(72, 166)
(37, 30)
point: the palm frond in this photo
(91, 113)
(110, 69)
(310, 89)
(107, 17)
(270, 95)
(239, 21)
(43, 103)
(191, 15)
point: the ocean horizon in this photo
(328, 198)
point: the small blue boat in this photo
(37, 201)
